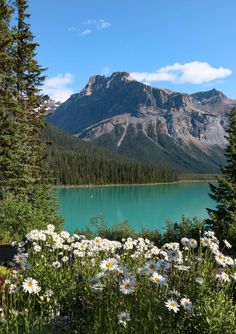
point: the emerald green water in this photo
(149, 206)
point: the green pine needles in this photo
(24, 177)
(223, 218)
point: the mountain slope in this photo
(76, 162)
(164, 128)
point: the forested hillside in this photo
(75, 162)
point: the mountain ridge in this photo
(122, 114)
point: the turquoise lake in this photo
(149, 205)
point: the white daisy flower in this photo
(33, 235)
(150, 266)
(166, 265)
(193, 243)
(205, 242)
(21, 258)
(185, 241)
(37, 248)
(214, 247)
(175, 292)
(98, 286)
(65, 259)
(182, 267)
(173, 254)
(227, 244)
(187, 304)
(109, 264)
(220, 259)
(172, 305)
(42, 236)
(199, 280)
(158, 279)
(127, 286)
(30, 285)
(56, 264)
(124, 317)
(223, 277)
(229, 261)
(210, 234)
(57, 239)
(49, 293)
(65, 234)
(51, 228)
(13, 288)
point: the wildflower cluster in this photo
(96, 285)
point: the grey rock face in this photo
(113, 105)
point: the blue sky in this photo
(182, 45)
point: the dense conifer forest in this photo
(75, 162)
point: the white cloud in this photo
(102, 24)
(193, 72)
(85, 32)
(56, 87)
(92, 25)
(89, 22)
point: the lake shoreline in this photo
(132, 184)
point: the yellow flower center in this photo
(109, 264)
(127, 286)
(30, 284)
(151, 266)
(157, 279)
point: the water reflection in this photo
(151, 205)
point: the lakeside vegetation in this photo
(131, 286)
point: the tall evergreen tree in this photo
(14, 151)
(223, 218)
(26, 201)
(29, 79)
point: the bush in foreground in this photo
(62, 283)
(192, 228)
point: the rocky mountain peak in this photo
(121, 114)
(210, 94)
(121, 76)
(94, 83)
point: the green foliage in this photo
(80, 287)
(191, 228)
(223, 218)
(24, 178)
(76, 162)
(19, 215)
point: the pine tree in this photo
(14, 151)
(223, 218)
(26, 201)
(29, 79)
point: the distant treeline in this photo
(75, 162)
